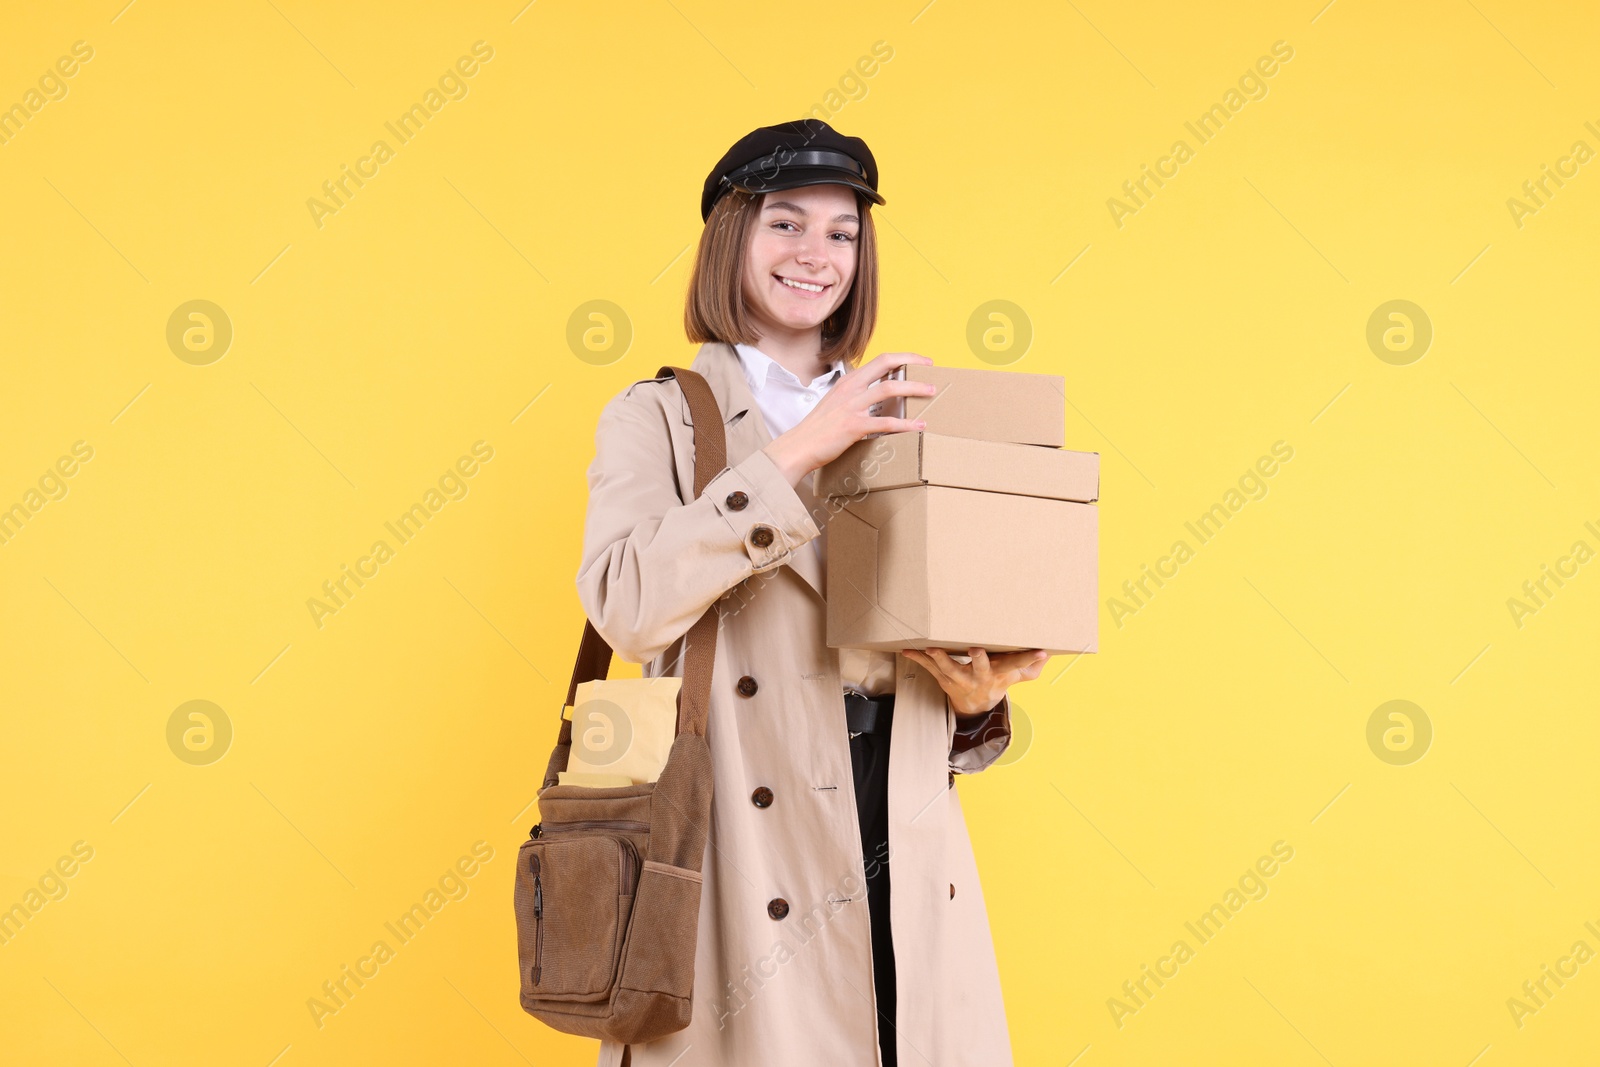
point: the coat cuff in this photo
(762, 509)
(975, 745)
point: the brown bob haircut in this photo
(715, 308)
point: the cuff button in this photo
(737, 500)
(761, 536)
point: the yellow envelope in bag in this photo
(623, 727)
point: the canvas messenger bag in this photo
(608, 882)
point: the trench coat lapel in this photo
(747, 432)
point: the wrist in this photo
(789, 465)
(967, 716)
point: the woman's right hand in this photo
(843, 416)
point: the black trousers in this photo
(869, 761)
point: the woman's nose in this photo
(812, 249)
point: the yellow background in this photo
(431, 312)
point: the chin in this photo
(803, 322)
(801, 316)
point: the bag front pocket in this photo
(574, 893)
(660, 952)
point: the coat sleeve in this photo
(652, 564)
(980, 743)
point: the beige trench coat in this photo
(796, 990)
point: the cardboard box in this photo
(986, 405)
(950, 542)
(895, 460)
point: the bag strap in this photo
(700, 646)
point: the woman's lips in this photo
(804, 294)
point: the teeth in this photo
(807, 286)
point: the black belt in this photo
(868, 715)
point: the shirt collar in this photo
(759, 367)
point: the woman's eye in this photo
(848, 237)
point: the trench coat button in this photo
(737, 500)
(747, 686)
(761, 535)
(952, 891)
(762, 797)
(777, 907)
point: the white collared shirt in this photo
(783, 399)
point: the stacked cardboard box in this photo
(980, 530)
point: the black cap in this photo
(791, 154)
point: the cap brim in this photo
(799, 176)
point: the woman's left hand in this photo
(976, 688)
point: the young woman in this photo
(828, 762)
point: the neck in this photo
(798, 352)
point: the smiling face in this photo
(801, 257)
